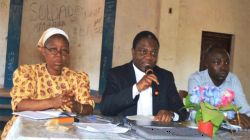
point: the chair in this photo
(96, 96)
(182, 94)
(5, 107)
(97, 99)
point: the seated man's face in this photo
(145, 53)
(218, 66)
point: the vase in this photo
(206, 128)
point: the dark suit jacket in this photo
(117, 98)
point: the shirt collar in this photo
(210, 80)
(138, 73)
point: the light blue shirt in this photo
(232, 82)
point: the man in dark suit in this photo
(132, 89)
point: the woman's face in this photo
(56, 53)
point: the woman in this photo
(50, 85)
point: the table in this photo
(28, 129)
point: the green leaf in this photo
(215, 129)
(190, 105)
(210, 106)
(228, 107)
(198, 116)
(210, 113)
(187, 101)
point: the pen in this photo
(238, 117)
(68, 115)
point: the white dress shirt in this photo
(144, 104)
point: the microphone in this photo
(149, 70)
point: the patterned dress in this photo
(35, 82)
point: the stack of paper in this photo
(105, 128)
(140, 118)
(46, 114)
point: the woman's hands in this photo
(65, 99)
(68, 99)
(82, 109)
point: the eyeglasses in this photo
(55, 51)
(144, 52)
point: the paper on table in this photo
(54, 112)
(104, 128)
(39, 115)
(231, 127)
(140, 118)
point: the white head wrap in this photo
(48, 33)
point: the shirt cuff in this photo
(135, 91)
(176, 117)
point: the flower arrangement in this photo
(212, 105)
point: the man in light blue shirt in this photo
(217, 74)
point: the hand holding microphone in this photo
(148, 71)
(148, 80)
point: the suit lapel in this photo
(131, 74)
(156, 97)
